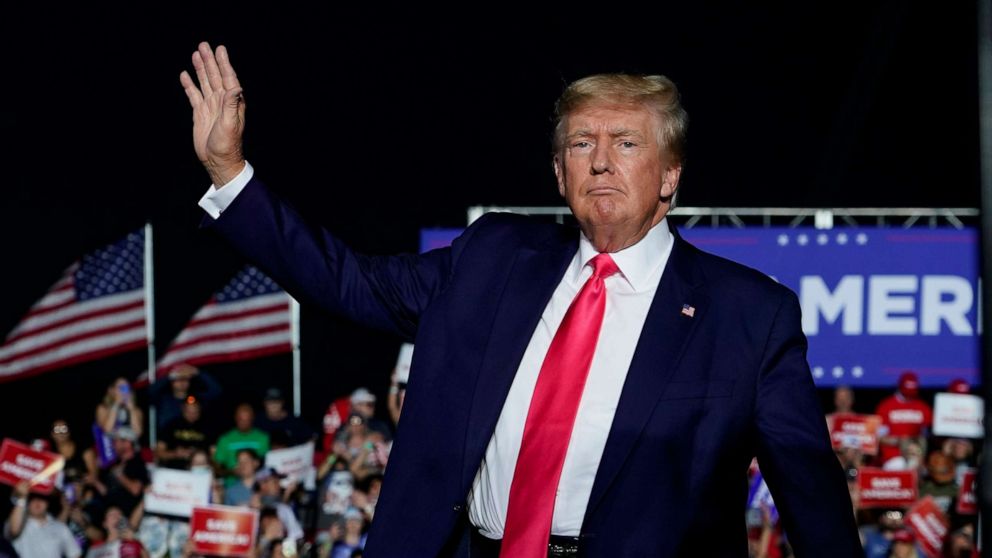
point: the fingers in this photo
(192, 91)
(213, 72)
(201, 74)
(228, 77)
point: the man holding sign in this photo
(34, 532)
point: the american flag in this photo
(250, 317)
(96, 309)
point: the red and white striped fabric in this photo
(250, 317)
(96, 309)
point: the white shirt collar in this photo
(639, 262)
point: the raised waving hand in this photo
(218, 113)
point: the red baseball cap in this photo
(909, 384)
(959, 386)
(903, 535)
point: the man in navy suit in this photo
(687, 365)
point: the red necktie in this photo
(550, 419)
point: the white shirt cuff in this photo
(215, 201)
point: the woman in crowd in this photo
(117, 409)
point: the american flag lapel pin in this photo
(689, 311)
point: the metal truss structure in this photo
(791, 217)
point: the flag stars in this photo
(822, 239)
(802, 240)
(861, 239)
(857, 371)
(817, 371)
(837, 372)
(842, 239)
(783, 240)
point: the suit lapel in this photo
(663, 338)
(534, 275)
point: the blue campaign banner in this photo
(876, 302)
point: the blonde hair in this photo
(657, 93)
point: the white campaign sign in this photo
(959, 415)
(175, 492)
(295, 462)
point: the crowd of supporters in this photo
(904, 443)
(98, 509)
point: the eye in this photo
(628, 145)
(581, 144)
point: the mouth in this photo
(603, 191)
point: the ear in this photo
(670, 180)
(559, 174)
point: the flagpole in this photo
(294, 313)
(150, 327)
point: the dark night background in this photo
(379, 123)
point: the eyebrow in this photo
(615, 133)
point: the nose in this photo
(601, 160)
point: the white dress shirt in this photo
(628, 299)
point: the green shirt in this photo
(234, 440)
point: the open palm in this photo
(218, 112)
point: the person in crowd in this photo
(363, 404)
(239, 491)
(337, 413)
(243, 435)
(169, 394)
(269, 493)
(280, 424)
(199, 462)
(117, 409)
(80, 463)
(903, 545)
(365, 451)
(353, 537)
(120, 541)
(961, 451)
(910, 456)
(940, 482)
(959, 386)
(843, 400)
(960, 543)
(367, 496)
(122, 484)
(337, 485)
(34, 532)
(904, 415)
(183, 435)
(271, 534)
(397, 395)
(877, 535)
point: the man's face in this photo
(244, 417)
(843, 398)
(246, 465)
(273, 408)
(612, 170)
(191, 412)
(364, 408)
(37, 507)
(122, 446)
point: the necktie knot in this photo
(603, 266)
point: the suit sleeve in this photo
(793, 446)
(384, 292)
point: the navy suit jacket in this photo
(702, 396)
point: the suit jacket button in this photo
(457, 508)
